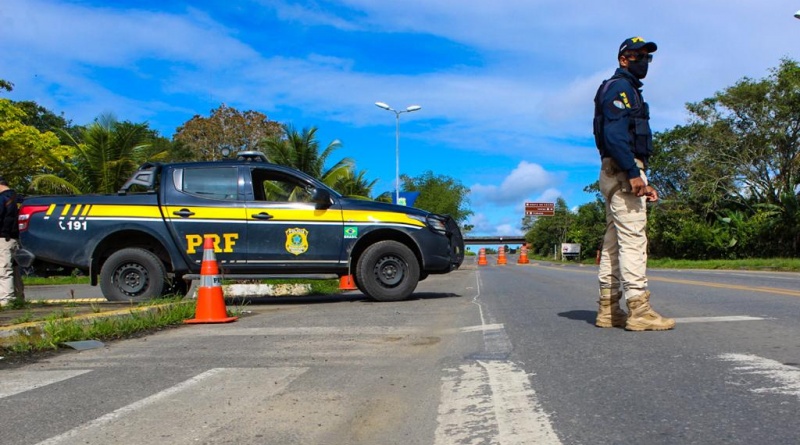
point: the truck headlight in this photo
(433, 222)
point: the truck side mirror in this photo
(322, 198)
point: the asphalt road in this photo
(489, 355)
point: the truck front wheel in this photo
(132, 274)
(387, 271)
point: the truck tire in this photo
(387, 271)
(132, 274)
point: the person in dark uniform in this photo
(625, 142)
(10, 279)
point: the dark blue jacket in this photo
(9, 227)
(622, 122)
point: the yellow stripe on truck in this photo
(356, 216)
(100, 210)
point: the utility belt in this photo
(610, 165)
(610, 168)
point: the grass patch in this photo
(59, 328)
(325, 287)
(25, 318)
(781, 264)
(66, 279)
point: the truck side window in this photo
(211, 183)
(276, 187)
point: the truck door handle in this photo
(183, 213)
(263, 215)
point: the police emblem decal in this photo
(296, 240)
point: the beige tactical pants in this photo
(623, 260)
(10, 279)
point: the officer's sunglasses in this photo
(634, 57)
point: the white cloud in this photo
(522, 183)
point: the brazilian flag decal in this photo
(350, 232)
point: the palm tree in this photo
(103, 156)
(355, 184)
(301, 151)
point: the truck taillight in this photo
(25, 213)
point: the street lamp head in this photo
(797, 15)
(413, 108)
(383, 105)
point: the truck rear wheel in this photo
(387, 271)
(132, 274)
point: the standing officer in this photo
(10, 280)
(623, 137)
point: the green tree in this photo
(227, 127)
(101, 159)
(45, 120)
(301, 150)
(439, 194)
(26, 151)
(355, 184)
(588, 227)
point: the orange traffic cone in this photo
(482, 257)
(346, 282)
(210, 301)
(501, 256)
(523, 255)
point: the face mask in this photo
(638, 68)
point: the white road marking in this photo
(235, 394)
(786, 378)
(15, 382)
(714, 319)
(485, 327)
(492, 401)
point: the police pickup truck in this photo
(266, 220)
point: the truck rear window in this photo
(212, 183)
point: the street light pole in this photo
(397, 113)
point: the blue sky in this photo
(505, 86)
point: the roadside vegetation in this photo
(61, 325)
(54, 280)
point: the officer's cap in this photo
(634, 43)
